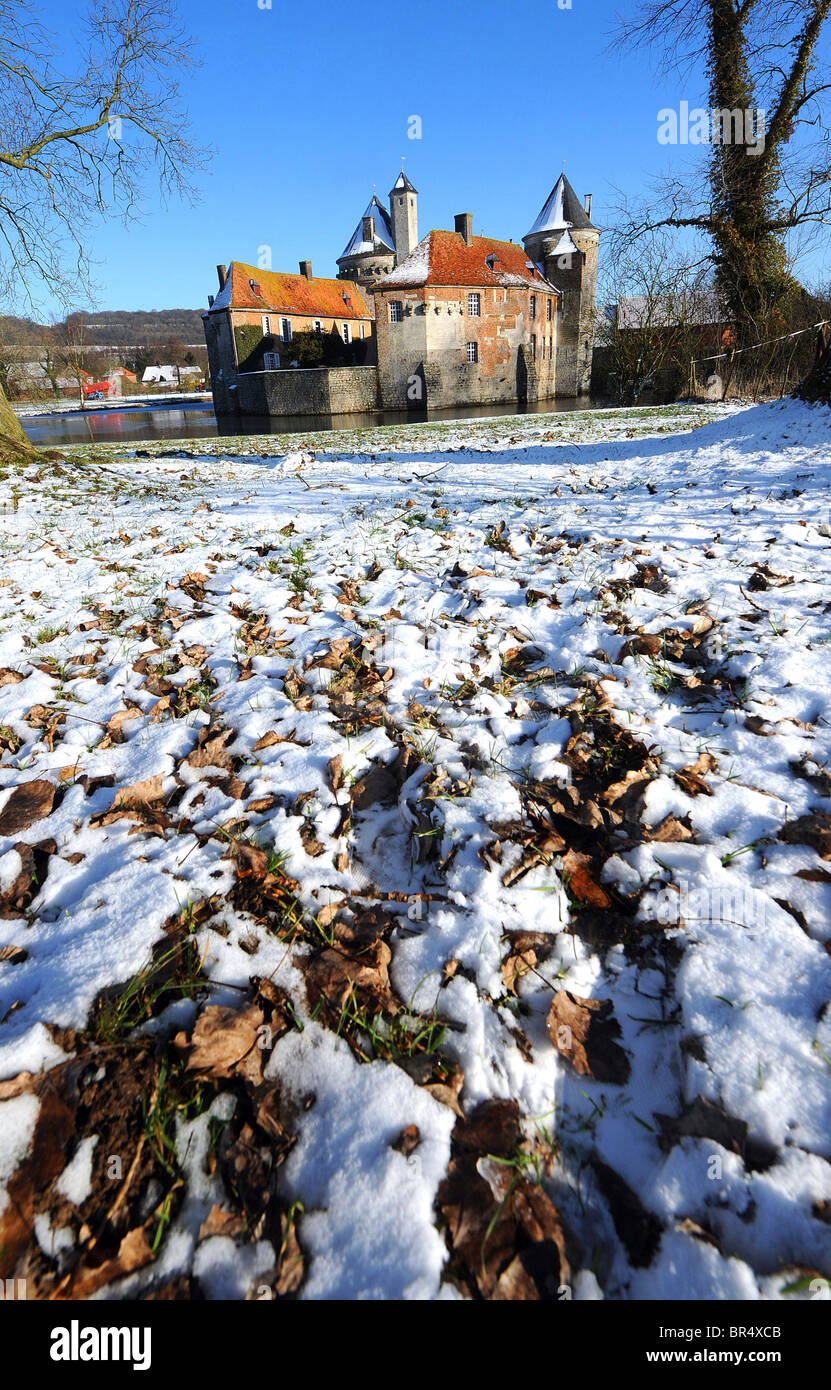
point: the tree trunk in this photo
(14, 445)
(750, 260)
(817, 384)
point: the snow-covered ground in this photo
(500, 753)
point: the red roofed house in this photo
(249, 328)
(465, 320)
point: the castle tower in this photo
(564, 242)
(404, 217)
(369, 254)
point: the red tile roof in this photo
(442, 258)
(248, 287)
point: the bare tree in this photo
(658, 303)
(763, 65)
(73, 352)
(78, 144)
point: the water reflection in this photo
(196, 420)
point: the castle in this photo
(452, 319)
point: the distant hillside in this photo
(117, 327)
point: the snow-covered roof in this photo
(561, 209)
(384, 239)
(443, 258)
(666, 310)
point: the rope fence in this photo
(776, 368)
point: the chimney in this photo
(306, 270)
(368, 229)
(589, 206)
(223, 276)
(464, 226)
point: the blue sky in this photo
(306, 106)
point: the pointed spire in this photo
(402, 182)
(561, 210)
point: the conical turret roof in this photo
(562, 209)
(402, 183)
(384, 240)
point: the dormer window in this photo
(256, 288)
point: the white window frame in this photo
(474, 356)
(285, 330)
(396, 311)
(266, 326)
(533, 306)
(345, 332)
(474, 306)
(271, 361)
(318, 326)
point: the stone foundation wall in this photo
(305, 391)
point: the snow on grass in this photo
(481, 579)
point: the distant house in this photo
(169, 375)
(645, 343)
(120, 376)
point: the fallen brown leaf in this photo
(28, 802)
(585, 1032)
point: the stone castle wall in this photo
(307, 391)
(422, 358)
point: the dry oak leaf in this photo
(669, 831)
(812, 830)
(272, 737)
(691, 779)
(505, 1234)
(585, 1033)
(580, 883)
(121, 717)
(333, 977)
(528, 949)
(139, 793)
(28, 802)
(134, 1253)
(646, 644)
(407, 1141)
(211, 751)
(13, 955)
(221, 1222)
(222, 1037)
(334, 772)
(622, 795)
